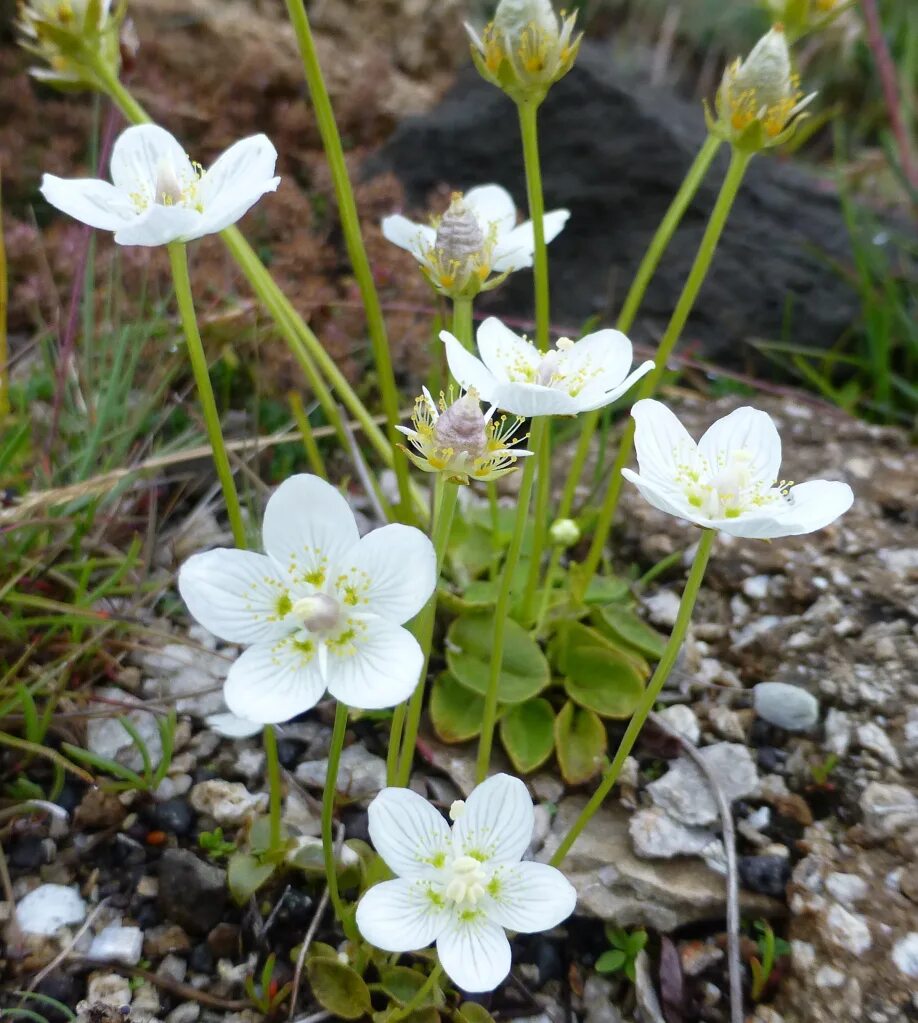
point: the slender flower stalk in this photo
(529, 130)
(651, 694)
(328, 808)
(655, 252)
(541, 521)
(444, 512)
(276, 841)
(4, 340)
(502, 607)
(350, 224)
(462, 321)
(178, 258)
(739, 161)
(420, 997)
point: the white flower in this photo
(321, 610)
(230, 726)
(759, 98)
(461, 887)
(477, 236)
(729, 480)
(570, 378)
(159, 196)
(460, 440)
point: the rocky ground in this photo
(826, 846)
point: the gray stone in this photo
(360, 774)
(48, 908)
(848, 889)
(655, 834)
(116, 944)
(187, 1012)
(685, 793)
(848, 930)
(838, 732)
(905, 954)
(872, 737)
(788, 707)
(597, 1001)
(726, 723)
(110, 989)
(229, 803)
(192, 893)
(888, 809)
(106, 736)
(682, 719)
(615, 884)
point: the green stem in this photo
(310, 445)
(502, 608)
(395, 741)
(276, 842)
(529, 129)
(328, 807)
(420, 996)
(739, 161)
(178, 258)
(350, 224)
(462, 321)
(651, 694)
(423, 625)
(539, 529)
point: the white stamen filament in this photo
(468, 883)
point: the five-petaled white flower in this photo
(158, 195)
(729, 479)
(575, 376)
(323, 609)
(476, 237)
(461, 888)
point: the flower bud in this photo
(73, 38)
(759, 98)
(564, 532)
(525, 49)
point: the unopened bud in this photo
(462, 428)
(564, 532)
(767, 70)
(512, 17)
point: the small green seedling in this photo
(267, 997)
(823, 769)
(214, 844)
(621, 957)
(771, 949)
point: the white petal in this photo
(399, 916)
(159, 225)
(409, 833)
(237, 595)
(514, 251)
(666, 498)
(602, 359)
(380, 668)
(273, 682)
(812, 506)
(474, 953)
(535, 400)
(531, 897)
(616, 392)
(231, 205)
(749, 430)
(308, 528)
(467, 370)
(89, 200)
(232, 727)
(507, 355)
(247, 163)
(406, 234)
(391, 572)
(492, 205)
(661, 442)
(497, 821)
(139, 152)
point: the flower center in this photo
(726, 490)
(551, 371)
(468, 883)
(318, 612)
(167, 190)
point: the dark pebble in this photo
(128, 850)
(765, 874)
(296, 909)
(289, 752)
(148, 915)
(547, 960)
(224, 940)
(70, 796)
(356, 824)
(175, 816)
(192, 892)
(203, 774)
(201, 959)
(63, 988)
(761, 733)
(27, 853)
(771, 759)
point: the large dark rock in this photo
(192, 893)
(615, 151)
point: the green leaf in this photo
(403, 983)
(338, 988)
(624, 625)
(455, 712)
(245, 874)
(610, 961)
(580, 742)
(599, 677)
(469, 642)
(527, 732)
(472, 1012)
(321, 950)
(604, 589)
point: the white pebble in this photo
(50, 907)
(788, 707)
(117, 944)
(905, 954)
